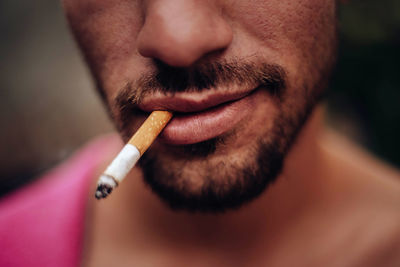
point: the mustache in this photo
(170, 80)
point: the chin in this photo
(223, 173)
(229, 170)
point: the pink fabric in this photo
(43, 223)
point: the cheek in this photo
(300, 33)
(106, 32)
(286, 24)
(268, 18)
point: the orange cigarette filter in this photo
(131, 152)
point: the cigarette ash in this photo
(105, 186)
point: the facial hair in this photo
(192, 177)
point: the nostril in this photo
(170, 51)
(182, 39)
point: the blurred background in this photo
(49, 108)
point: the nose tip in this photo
(181, 34)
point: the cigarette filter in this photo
(131, 152)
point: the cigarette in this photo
(131, 152)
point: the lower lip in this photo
(200, 126)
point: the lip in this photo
(186, 103)
(199, 117)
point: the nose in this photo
(180, 32)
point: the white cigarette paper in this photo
(123, 163)
(131, 152)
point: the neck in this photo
(135, 213)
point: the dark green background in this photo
(366, 85)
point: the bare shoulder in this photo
(373, 198)
(357, 162)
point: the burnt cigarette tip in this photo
(105, 186)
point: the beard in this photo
(196, 178)
(209, 176)
(224, 184)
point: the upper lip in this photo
(189, 102)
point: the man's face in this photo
(241, 77)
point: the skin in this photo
(312, 205)
(122, 40)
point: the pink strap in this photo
(43, 223)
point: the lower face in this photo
(220, 157)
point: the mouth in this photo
(198, 117)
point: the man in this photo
(245, 173)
